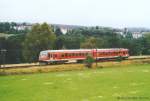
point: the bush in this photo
(119, 59)
(89, 61)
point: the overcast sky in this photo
(111, 13)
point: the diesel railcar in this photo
(62, 56)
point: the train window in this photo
(55, 55)
(62, 55)
(83, 54)
(107, 53)
(80, 54)
(66, 54)
(86, 54)
(112, 53)
(69, 54)
(49, 55)
(99, 54)
(76, 54)
(103, 53)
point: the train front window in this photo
(43, 54)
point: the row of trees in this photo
(26, 47)
(12, 28)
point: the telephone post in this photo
(96, 57)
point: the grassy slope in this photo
(87, 85)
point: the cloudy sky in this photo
(111, 13)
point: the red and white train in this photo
(61, 56)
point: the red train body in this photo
(54, 56)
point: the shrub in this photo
(89, 61)
(119, 58)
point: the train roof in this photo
(72, 50)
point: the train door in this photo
(120, 53)
(50, 56)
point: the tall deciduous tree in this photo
(89, 43)
(40, 38)
(147, 43)
(58, 31)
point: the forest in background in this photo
(24, 45)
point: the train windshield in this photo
(43, 53)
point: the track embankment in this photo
(35, 68)
(28, 65)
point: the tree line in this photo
(26, 45)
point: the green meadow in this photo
(125, 83)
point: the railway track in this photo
(28, 65)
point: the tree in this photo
(59, 43)
(14, 48)
(58, 31)
(146, 43)
(113, 41)
(71, 41)
(89, 61)
(2, 46)
(39, 38)
(89, 43)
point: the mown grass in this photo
(131, 81)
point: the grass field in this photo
(125, 83)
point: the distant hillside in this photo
(140, 29)
(67, 26)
